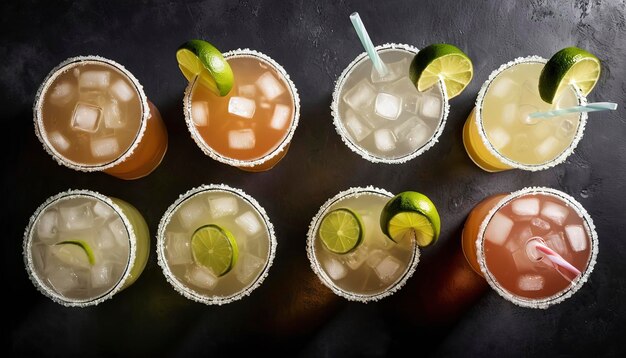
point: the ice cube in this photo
(102, 275)
(539, 226)
(201, 277)
(270, 86)
(280, 117)
(86, 117)
(577, 237)
(375, 257)
(541, 130)
(200, 113)
(430, 106)
(223, 206)
(104, 147)
(394, 71)
(192, 214)
(62, 94)
(70, 255)
(556, 242)
(119, 232)
(554, 212)
(498, 229)
(248, 91)
(522, 262)
(47, 226)
(241, 139)
(249, 222)
(334, 269)
(105, 239)
(178, 249)
(402, 88)
(509, 113)
(122, 91)
(112, 114)
(388, 106)
(247, 267)
(548, 148)
(520, 143)
(503, 87)
(356, 258)
(94, 80)
(76, 217)
(39, 254)
(63, 279)
(385, 140)
(388, 269)
(358, 129)
(566, 129)
(360, 96)
(525, 207)
(103, 210)
(265, 105)
(402, 131)
(530, 283)
(242, 107)
(498, 137)
(58, 141)
(418, 136)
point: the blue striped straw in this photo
(379, 65)
(590, 107)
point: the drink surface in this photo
(231, 212)
(65, 268)
(91, 113)
(253, 119)
(377, 264)
(386, 116)
(510, 97)
(510, 256)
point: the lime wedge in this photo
(75, 251)
(200, 58)
(411, 215)
(445, 62)
(215, 248)
(570, 66)
(341, 230)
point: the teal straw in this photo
(379, 65)
(590, 107)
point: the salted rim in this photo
(582, 120)
(185, 290)
(286, 140)
(39, 126)
(355, 147)
(319, 271)
(546, 302)
(28, 259)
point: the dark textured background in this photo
(444, 310)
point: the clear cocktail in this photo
(501, 240)
(385, 118)
(378, 266)
(91, 114)
(81, 247)
(215, 244)
(251, 126)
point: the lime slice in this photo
(570, 66)
(214, 248)
(341, 230)
(74, 251)
(445, 62)
(411, 215)
(200, 58)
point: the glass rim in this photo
(208, 150)
(582, 120)
(560, 296)
(319, 271)
(42, 135)
(355, 147)
(184, 289)
(28, 240)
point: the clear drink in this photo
(113, 230)
(500, 238)
(91, 114)
(252, 126)
(385, 119)
(498, 135)
(377, 267)
(230, 209)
